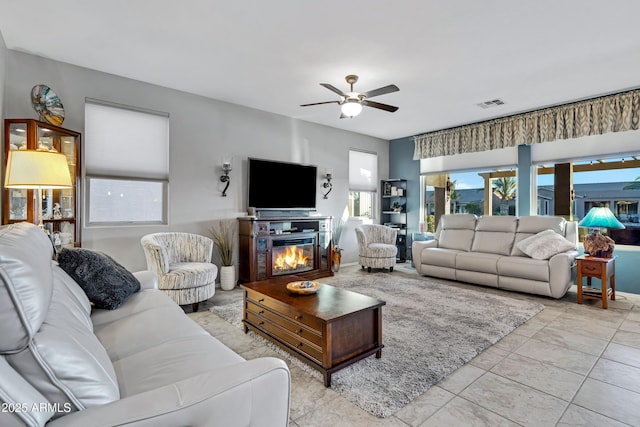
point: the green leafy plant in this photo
(223, 234)
(633, 185)
(431, 223)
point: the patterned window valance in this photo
(612, 113)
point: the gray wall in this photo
(3, 75)
(402, 166)
(202, 132)
(3, 78)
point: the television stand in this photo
(265, 214)
(263, 240)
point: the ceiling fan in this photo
(351, 102)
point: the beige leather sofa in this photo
(143, 364)
(485, 251)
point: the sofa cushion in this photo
(544, 245)
(524, 268)
(172, 361)
(25, 283)
(458, 221)
(131, 334)
(456, 231)
(456, 239)
(495, 234)
(530, 225)
(441, 257)
(536, 224)
(478, 261)
(78, 303)
(65, 361)
(44, 326)
(106, 283)
(146, 299)
(380, 250)
(184, 275)
(146, 358)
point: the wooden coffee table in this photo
(329, 330)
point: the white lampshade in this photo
(37, 169)
(351, 108)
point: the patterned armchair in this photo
(182, 262)
(377, 246)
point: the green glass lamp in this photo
(595, 244)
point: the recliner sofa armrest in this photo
(561, 272)
(418, 245)
(147, 278)
(256, 393)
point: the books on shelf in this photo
(591, 291)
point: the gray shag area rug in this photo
(430, 328)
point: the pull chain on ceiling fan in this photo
(351, 102)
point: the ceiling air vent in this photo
(491, 104)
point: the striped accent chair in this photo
(377, 246)
(182, 262)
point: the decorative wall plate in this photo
(47, 104)
(303, 287)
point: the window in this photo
(363, 183)
(127, 164)
(467, 191)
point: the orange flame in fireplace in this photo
(291, 258)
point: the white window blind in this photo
(363, 171)
(127, 165)
(126, 142)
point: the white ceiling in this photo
(446, 56)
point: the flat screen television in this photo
(281, 185)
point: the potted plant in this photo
(223, 234)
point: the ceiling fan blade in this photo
(333, 89)
(380, 106)
(320, 103)
(380, 91)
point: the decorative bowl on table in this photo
(303, 287)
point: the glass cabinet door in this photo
(18, 200)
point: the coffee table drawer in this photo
(303, 346)
(285, 310)
(285, 323)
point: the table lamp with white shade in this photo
(39, 170)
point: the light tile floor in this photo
(570, 365)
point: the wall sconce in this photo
(226, 168)
(328, 174)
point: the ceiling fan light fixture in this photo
(351, 108)
(351, 102)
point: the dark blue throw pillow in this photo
(106, 283)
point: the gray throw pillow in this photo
(544, 245)
(106, 283)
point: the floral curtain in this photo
(612, 113)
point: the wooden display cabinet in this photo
(60, 207)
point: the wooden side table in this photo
(601, 268)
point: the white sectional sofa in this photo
(145, 363)
(486, 251)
